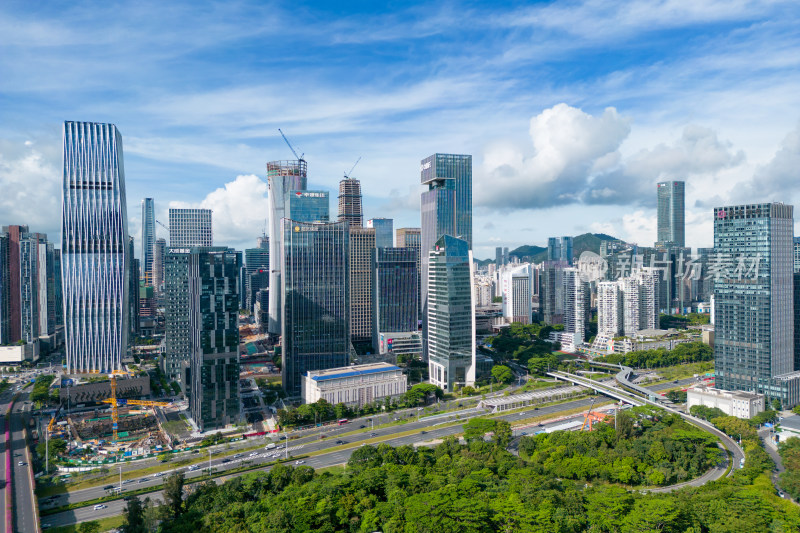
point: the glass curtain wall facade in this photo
(214, 336)
(148, 240)
(190, 227)
(451, 314)
(283, 177)
(176, 316)
(753, 293)
(396, 293)
(256, 261)
(315, 299)
(411, 238)
(95, 262)
(671, 213)
(362, 281)
(5, 311)
(384, 231)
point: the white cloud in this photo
(240, 211)
(639, 227)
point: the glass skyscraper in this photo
(190, 227)
(671, 214)
(753, 295)
(95, 262)
(148, 239)
(256, 263)
(315, 299)
(384, 231)
(446, 208)
(362, 281)
(283, 177)
(396, 293)
(451, 315)
(176, 316)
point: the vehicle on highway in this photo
(299, 462)
(226, 460)
(236, 456)
(143, 480)
(254, 454)
(373, 434)
(339, 442)
(270, 446)
(100, 506)
(127, 498)
(781, 494)
(21, 463)
(362, 426)
(108, 487)
(193, 468)
(343, 421)
(127, 481)
(158, 474)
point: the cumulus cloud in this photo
(30, 180)
(577, 159)
(776, 180)
(240, 211)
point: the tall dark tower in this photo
(350, 202)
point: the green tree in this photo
(173, 493)
(477, 428)
(502, 433)
(134, 517)
(502, 374)
(93, 526)
(776, 404)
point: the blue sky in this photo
(572, 110)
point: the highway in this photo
(298, 448)
(24, 510)
(5, 399)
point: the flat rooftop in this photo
(739, 395)
(350, 371)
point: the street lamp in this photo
(120, 478)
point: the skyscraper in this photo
(148, 240)
(671, 214)
(396, 292)
(213, 315)
(566, 249)
(609, 308)
(256, 261)
(315, 299)
(362, 281)
(133, 291)
(553, 249)
(95, 262)
(754, 310)
(411, 238)
(350, 202)
(159, 251)
(384, 231)
(451, 314)
(5, 309)
(176, 317)
(190, 227)
(576, 305)
(283, 177)
(498, 257)
(446, 209)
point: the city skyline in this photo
(678, 92)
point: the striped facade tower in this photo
(94, 243)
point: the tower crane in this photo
(348, 174)
(116, 402)
(162, 225)
(299, 157)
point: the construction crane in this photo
(348, 174)
(115, 402)
(299, 157)
(162, 225)
(591, 418)
(53, 420)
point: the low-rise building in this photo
(17, 353)
(733, 403)
(354, 385)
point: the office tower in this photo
(190, 227)
(516, 283)
(396, 292)
(32, 284)
(283, 177)
(147, 301)
(159, 251)
(362, 281)
(350, 202)
(213, 315)
(671, 213)
(576, 305)
(796, 255)
(411, 238)
(315, 299)
(753, 295)
(566, 249)
(451, 314)
(133, 292)
(609, 308)
(506, 256)
(95, 261)
(262, 242)
(58, 288)
(446, 209)
(256, 273)
(148, 240)
(498, 257)
(176, 316)
(5, 310)
(551, 292)
(796, 302)
(553, 249)
(384, 231)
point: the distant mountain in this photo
(581, 243)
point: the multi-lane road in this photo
(23, 502)
(410, 433)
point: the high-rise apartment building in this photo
(384, 231)
(576, 305)
(176, 317)
(148, 240)
(5, 284)
(283, 177)
(451, 314)
(214, 336)
(609, 308)
(754, 305)
(315, 299)
(671, 213)
(350, 202)
(159, 251)
(95, 262)
(190, 227)
(396, 293)
(516, 282)
(446, 209)
(133, 291)
(362, 281)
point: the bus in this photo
(343, 421)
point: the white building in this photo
(576, 305)
(17, 353)
(733, 403)
(354, 385)
(609, 308)
(628, 305)
(516, 283)
(483, 290)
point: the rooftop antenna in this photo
(348, 174)
(299, 157)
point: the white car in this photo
(100, 506)
(254, 454)
(299, 462)
(158, 474)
